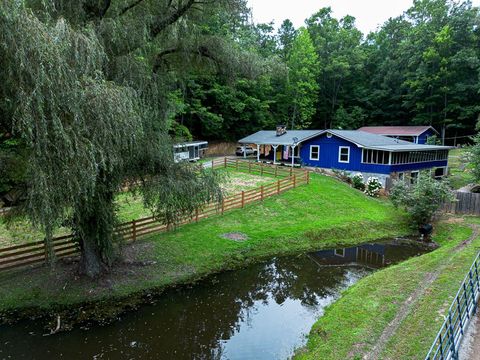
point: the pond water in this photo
(262, 312)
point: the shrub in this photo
(422, 199)
(373, 187)
(358, 182)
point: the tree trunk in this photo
(91, 263)
(94, 221)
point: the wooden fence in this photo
(466, 204)
(64, 246)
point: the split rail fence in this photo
(463, 308)
(64, 246)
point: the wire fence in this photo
(65, 246)
(463, 308)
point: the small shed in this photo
(190, 151)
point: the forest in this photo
(94, 92)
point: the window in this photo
(419, 156)
(439, 172)
(340, 252)
(314, 152)
(414, 177)
(401, 176)
(375, 157)
(344, 154)
(296, 151)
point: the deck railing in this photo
(64, 246)
(464, 306)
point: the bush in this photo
(373, 187)
(358, 182)
(423, 199)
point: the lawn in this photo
(130, 207)
(324, 214)
(460, 168)
(345, 334)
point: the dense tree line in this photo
(420, 68)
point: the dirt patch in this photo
(235, 236)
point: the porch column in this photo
(274, 153)
(244, 151)
(293, 153)
(258, 153)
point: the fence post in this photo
(452, 337)
(276, 167)
(291, 171)
(308, 176)
(225, 162)
(196, 214)
(243, 199)
(473, 293)
(213, 166)
(460, 315)
(261, 169)
(261, 193)
(223, 205)
(278, 187)
(134, 230)
(294, 180)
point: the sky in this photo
(369, 14)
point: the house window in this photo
(375, 157)
(414, 177)
(344, 154)
(401, 176)
(314, 152)
(340, 252)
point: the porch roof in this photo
(269, 137)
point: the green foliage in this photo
(422, 199)
(373, 187)
(303, 65)
(358, 182)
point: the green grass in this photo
(324, 214)
(460, 168)
(130, 207)
(351, 326)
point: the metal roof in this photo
(397, 130)
(191, 143)
(380, 142)
(360, 138)
(269, 137)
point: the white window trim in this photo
(340, 154)
(318, 152)
(342, 254)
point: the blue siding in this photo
(422, 139)
(329, 149)
(419, 166)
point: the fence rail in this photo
(466, 204)
(448, 340)
(64, 246)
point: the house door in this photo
(279, 152)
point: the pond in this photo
(264, 311)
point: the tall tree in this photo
(86, 86)
(303, 71)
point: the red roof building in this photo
(415, 134)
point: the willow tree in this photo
(82, 90)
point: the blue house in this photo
(415, 134)
(353, 151)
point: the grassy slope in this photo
(353, 324)
(460, 169)
(324, 214)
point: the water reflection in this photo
(261, 312)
